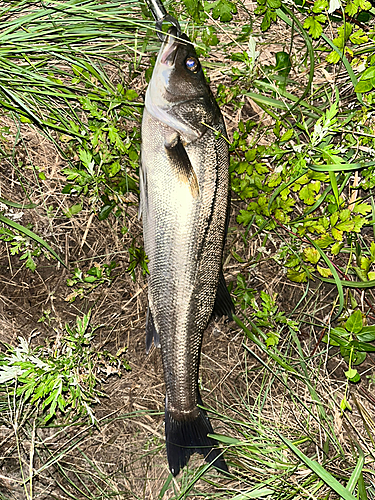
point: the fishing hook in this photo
(161, 16)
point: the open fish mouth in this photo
(170, 51)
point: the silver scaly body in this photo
(184, 203)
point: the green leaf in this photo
(351, 9)
(272, 339)
(353, 284)
(266, 21)
(287, 135)
(363, 86)
(17, 205)
(358, 37)
(367, 334)
(283, 65)
(357, 473)
(314, 26)
(354, 323)
(338, 235)
(297, 276)
(209, 36)
(365, 264)
(31, 235)
(319, 6)
(73, 210)
(368, 74)
(307, 194)
(346, 226)
(131, 95)
(324, 271)
(335, 275)
(274, 4)
(358, 223)
(344, 214)
(30, 264)
(372, 250)
(344, 405)
(244, 217)
(362, 208)
(311, 255)
(333, 57)
(230, 441)
(353, 355)
(325, 241)
(351, 374)
(85, 158)
(222, 9)
(364, 4)
(106, 210)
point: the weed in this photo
(24, 246)
(60, 378)
(354, 339)
(88, 281)
(138, 257)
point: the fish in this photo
(184, 204)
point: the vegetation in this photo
(302, 141)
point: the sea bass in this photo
(184, 184)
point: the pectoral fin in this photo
(184, 169)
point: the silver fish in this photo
(184, 183)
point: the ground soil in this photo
(127, 448)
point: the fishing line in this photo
(161, 16)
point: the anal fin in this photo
(223, 303)
(151, 333)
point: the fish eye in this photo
(192, 64)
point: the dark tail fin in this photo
(186, 437)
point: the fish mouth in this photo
(169, 54)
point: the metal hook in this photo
(161, 15)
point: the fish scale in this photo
(184, 204)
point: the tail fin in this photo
(186, 437)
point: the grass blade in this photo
(319, 471)
(31, 235)
(354, 478)
(350, 284)
(13, 204)
(348, 68)
(339, 167)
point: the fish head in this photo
(178, 94)
(182, 74)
